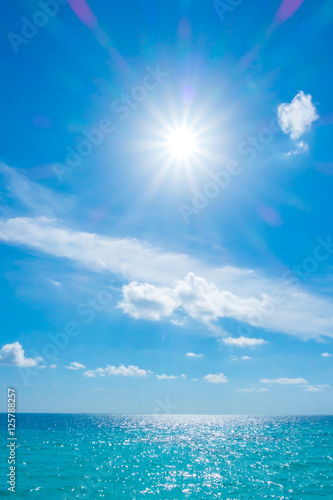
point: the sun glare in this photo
(181, 144)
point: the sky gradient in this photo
(138, 280)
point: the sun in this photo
(181, 144)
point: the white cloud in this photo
(301, 147)
(33, 196)
(193, 355)
(218, 378)
(198, 298)
(147, 301)
(125, 371)
(206, 294)
(13, 354)
(166, 377)
(170, 377)
(284, 381)
(326, 355)
(243, 342)
(127, 256)
(296, 118)
(235, 358)
(262, 389)
(75, 366)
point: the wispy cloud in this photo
(301, 147)
(75, 366)
(31, 195)
(193, 355)
(53, 282)
(326, 355)
(284, 381)
(13, 354)
(262, 389)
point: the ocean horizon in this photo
(124, 457)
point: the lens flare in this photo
(181, 144)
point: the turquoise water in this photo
(171, 457)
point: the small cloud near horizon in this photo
(75, 366)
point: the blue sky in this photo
(140, 278)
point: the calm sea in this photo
(67, 456)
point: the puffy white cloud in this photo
(246, 357)
(326, 355)
(195, 296)
(296, 118)
(125, 371)
(74, 366)
(218, 378)
(129, 371)
(13, 354)
(284, 381)
(147, 301)
(243, 342)
(193, 355)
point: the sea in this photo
(130, 457)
